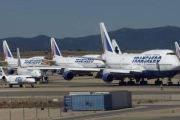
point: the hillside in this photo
(128, 39)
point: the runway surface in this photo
(58, 86)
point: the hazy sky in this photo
(78, 18)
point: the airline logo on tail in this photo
(105, 39)
(7, 52)
(177, 50)
(55, 49)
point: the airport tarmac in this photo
(57, 86)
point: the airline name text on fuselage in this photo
(84, 60)
(147, 59)
(32, 61)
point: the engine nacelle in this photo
(53, 70)
(3, 78)
(68, 75)
(10, 71)
(108, 77)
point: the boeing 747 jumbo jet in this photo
(16, 79)
(13, 63)
(150, 64)
(74, 62)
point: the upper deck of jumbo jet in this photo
(159, 52)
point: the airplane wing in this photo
(70, 69)
(117, 71)
(83, 69)
(45, 68)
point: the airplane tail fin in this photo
(177, 50)
(106, 42)
(55, 50)
(19, 58)
(116, 47)
(7, 51)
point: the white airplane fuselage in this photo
(13, 63)
(19, 79)
(153, 63)
(78, 62)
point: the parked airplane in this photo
(26, 62)
(16, 79)
(74, 62)
(149, 64)
(36, 73)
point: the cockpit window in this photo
(170, 54)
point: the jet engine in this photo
(10, 71)
(108, 77)
(3, 78)
(68, 75)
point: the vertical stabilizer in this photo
(7, 52)
(116, 47)
(55, 49)
(177, 50)
(19, 58)
(106, 42)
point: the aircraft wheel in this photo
(122, 83)
(20, 85)
(131, 83)
(10, 85)
(32, 85)
(158, 82)
(143, 83)
(169, 83)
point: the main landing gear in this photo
(158, 82)
(32, 85)
(143, 82)
(130, 82)
(122, 83)
(169, 83)
(10, 85)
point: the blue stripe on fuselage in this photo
(156, 73)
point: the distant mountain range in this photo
(127, 38)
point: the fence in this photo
(46, 107)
